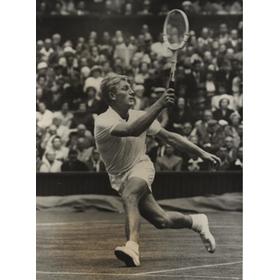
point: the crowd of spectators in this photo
(208, 109)
(137, 7)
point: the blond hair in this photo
(109, 84)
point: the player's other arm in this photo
(137, 127)
(184, 145)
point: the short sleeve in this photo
(104, 126)
(154, 128)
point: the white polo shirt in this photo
(120, 153)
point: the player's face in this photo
(125, 94)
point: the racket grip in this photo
(171, 84)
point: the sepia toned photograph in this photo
(139, 139)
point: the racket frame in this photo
(171, 80)
(186, 35)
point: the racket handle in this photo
(171, 84)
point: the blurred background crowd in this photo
(137, 7)
(208, 109)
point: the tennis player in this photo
(120, 135)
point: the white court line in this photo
(192, 276)
(110, 223)
(189, 267)
(83, 273)
(135, 275)
(149, 274)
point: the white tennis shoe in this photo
(200, 225)
(128, 254)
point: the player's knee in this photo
(129, 198)
(161, 223)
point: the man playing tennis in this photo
(120, 138)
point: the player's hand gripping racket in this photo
(175, 36)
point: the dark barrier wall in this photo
(166, 185)
(72, 27)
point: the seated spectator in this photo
(142, 54)
(231, 150)
(106, 46)
(47, 137)
(163, 117)
(223, 155)
(64, 114)
(160, 48)
(72, 163)
(200, 128)
(238, 163)
(95, 79)
(225, 74)
(195, 163)
(56, 43)
(141, 101)
(143, 73)
(43, 8)
(223, 34)
(55, 98)
(83, 117)
(84, 152)
(50, 164)
(233, 129)
(128, 9)
(47, 50)
(152, 149)
(61, 130)
(180, 114)
(57, 10)
(212, 138)
(56, 147)
(186, 129)
(70, 7)
(95, 163)
(210, 85)
(224, 112)
(234, 39)
(86, 134)
(44, 116)
(169, 162)
(235, 8)
(81, 9)
(111, 7)
(215, 100)
(206, 37)
(42, 69)
(146, 10)
(163, 10)
(194, 78)
(125, 50)
(95, 106)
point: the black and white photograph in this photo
(139, 139)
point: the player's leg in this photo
(161, 219)
(131, 194)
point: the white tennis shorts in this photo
(143, 169)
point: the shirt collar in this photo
(114, 114)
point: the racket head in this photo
(176, 29)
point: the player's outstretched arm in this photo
(182, 144)
(142, 123)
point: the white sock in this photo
(196, 222)
(133, 245)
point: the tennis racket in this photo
(175, 36)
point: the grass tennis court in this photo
(80, 245)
